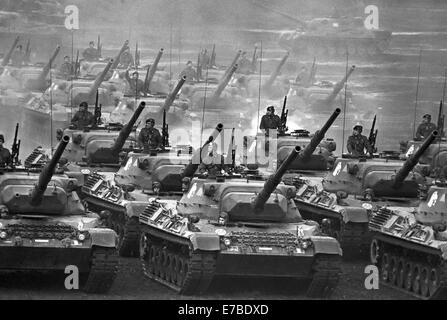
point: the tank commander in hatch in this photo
(149, 137)
(83, 118)
(5, 155)
(357, 143)
(425, 128)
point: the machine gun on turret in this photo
(99, 46)
(165, 132)
(40, 83)
(7, 57)
(47, 173)
(231, 153)
(137, 56)
(373, 136)
(77, 66)
(441, 118)
(98, 112)
(151, 71)
(15, 149)
(27, 57)
(268, 84)
(109, 155)
(284, 113)
(213, 57)
(196, 159)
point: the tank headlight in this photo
(3, 235)
(227, 242)
(81, 237)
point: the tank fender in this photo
(103, 237)
(355, 214)
(205, 241)
(326, 245)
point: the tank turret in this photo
(7, 57)
(151, 71)
(224, 82)
(191, 168)
(90, 95)
(111, 154)
(275, 73)
(116, 61)
(40, 83)
(413, 160)
(273, 181)
(47, 173)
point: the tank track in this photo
(403, 267)
(103, 270)
(129, 237)
(326, 273)
(176, 266)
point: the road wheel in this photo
(416, 279)
(385, 267)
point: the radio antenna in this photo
(417, 93)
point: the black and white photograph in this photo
(223, 154)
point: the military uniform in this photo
(357, 144)
(190, 74)
(66, 69)
(270, 122)
(149, 139)
(91, 54)
(83, 119)
(5, 157)
(424, 130)
(135, 85)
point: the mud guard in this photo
(205, 241)
(326, 245)
(103, 237)
(354, 214)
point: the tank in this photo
(343, 201)
(408, 245)
(44, 226)
(220, 103)
(141, 177)
(233, 226)
(331, 37)
(174, 105)
(100, 146)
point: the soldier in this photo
(83, 118)
(66, 68)
(189, 72)
(136, 86)
(425, 128)
(5, 155)
(357, 143)
(91, 53)
(244, 64)
(269, 121)
(126, 59)
(149, 137)
(204, 59)
(17, 57)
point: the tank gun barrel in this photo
(235, 60)
(7, 57)
(318, 137)
(171, 97)
(276, 72)
(273, 181)
(191, 168)
(127, 129)
(413, 160)
(224, 82)
(40, 83)
(99, 79)
(47, 173)
(118, 56)
(339, 85)
(151, 71)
